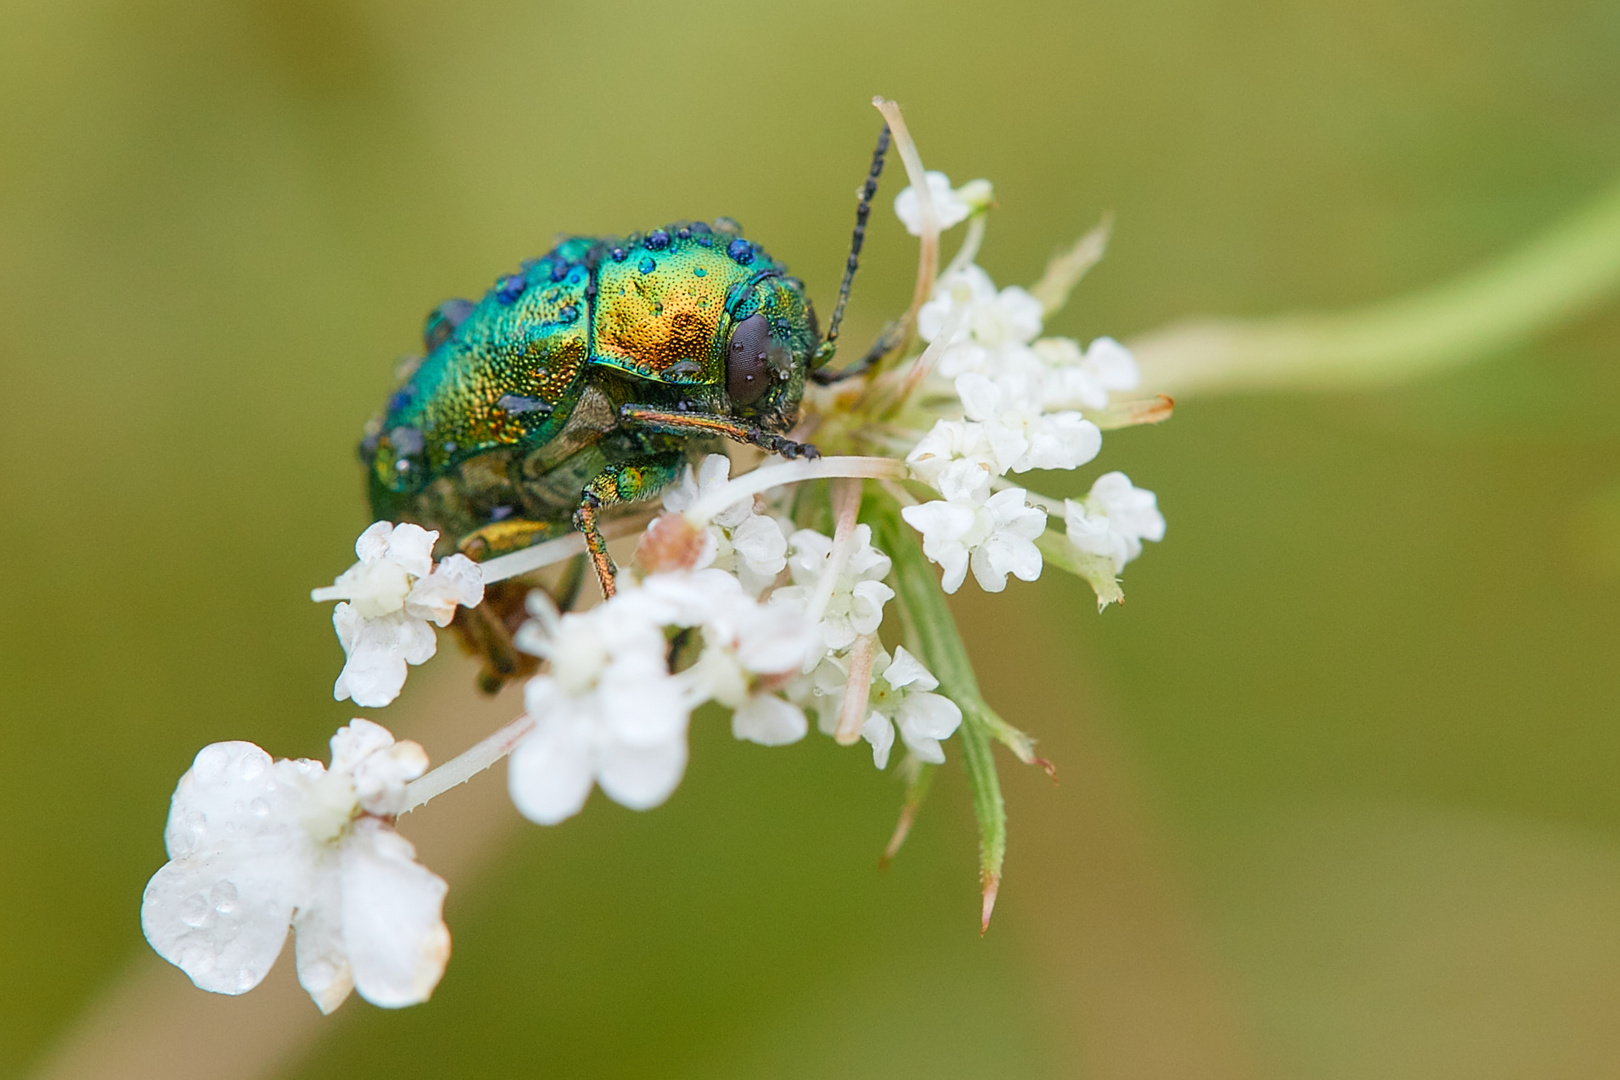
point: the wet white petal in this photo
(378, 651)
(258, 845)
(457, 580)
(318, 952)
(393, 926)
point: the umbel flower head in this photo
(256, 845)
(754, 600)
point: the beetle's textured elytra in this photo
(588, 379)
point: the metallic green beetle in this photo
(589, 379)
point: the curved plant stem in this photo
(1555, 277)
(466, 765)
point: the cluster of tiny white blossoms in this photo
(1021, 402)
(757, 599)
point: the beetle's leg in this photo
(500, 537)
(630, 481)
(695, 423)
(486, 632)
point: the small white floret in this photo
(743, 541)
(853, 598)
(901, 697)
(951, 207)
(608, 712)
(257, 845)
(389, 598)
(1108, 526)
(995, 538)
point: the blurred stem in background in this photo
(1559, 275)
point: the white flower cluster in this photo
(257, 845)
(772, 663)
(611, 713)
(390, 596)
(900, 697)
(1022, 399)
(744, 542)
(729, 601)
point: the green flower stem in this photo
(1557, 276)
(931, 630)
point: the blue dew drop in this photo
(647, 265)
(510, 287)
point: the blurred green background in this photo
(1341, 783)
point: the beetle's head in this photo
(770, 334)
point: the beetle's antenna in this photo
(825, 352)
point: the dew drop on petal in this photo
(250, 767)
(224, 899)
(245, 979)
(260, 808)
(194, 912)
(211, 762)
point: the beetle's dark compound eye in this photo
(748, 360)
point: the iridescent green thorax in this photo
(520, 392)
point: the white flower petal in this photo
(760, 543)
(378, 650)
(949, 210)
(905, 670)
(373, 543)
(221, 921)
(393, 923)
(551, 771)
(380, 779)
(642, 777)
(219, 909)
(877, 730)
(768, 720)
(356, 741)
(939, 521)
(457, 580)
(866, 606)
(411, 547)
(323, 964)
(1112, 364)
(928, 717)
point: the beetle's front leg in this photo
(631, 481)
(696, 423)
